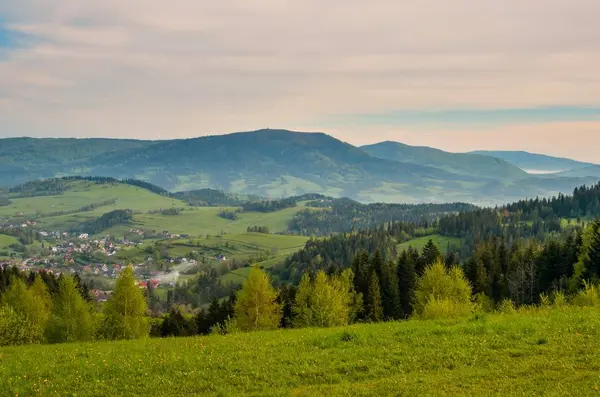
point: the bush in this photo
(588, 297)
(559, 300)
(506, 307)
(483, 303)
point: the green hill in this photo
(460, 163)
(534, 352)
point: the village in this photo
(100, 260)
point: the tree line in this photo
(345, 215)
(42, 308)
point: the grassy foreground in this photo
(536, 352)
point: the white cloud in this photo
(155, 69)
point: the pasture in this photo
(551, 352)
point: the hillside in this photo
(535, 352)
(535, 162)
(270, 163)
(460, 163)
(592, 170)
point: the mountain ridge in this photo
(276, 163)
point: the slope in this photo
(535, 162)
(461, 163)
(533, 352)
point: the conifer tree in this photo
(373, 304)
(430, 255)
(592, 262)
(406, 283)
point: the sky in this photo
(459, 75)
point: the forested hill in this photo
(460, 163)
(327, 216)
(513, 226)
(279, 163)
(533, 161)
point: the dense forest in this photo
(345, 215)
(270, 205)
(106, 221)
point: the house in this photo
(143, 284)
(117, 268)
(154, 283)
(104, 268)
(84, 236)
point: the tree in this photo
(256, 306)
(71, 319)
(325, 301)
(32, 307)
(373, 304)
(125, 311)
(446, 292)
(176, 324)
(15, 329)
(431, 254)
(407, 278)
(390, 293)
(592, 260)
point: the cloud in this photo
(155, 69)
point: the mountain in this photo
(535, 162)
(486, 167)
(592, 170)
(278, 163)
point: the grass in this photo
(86, 193)
(541, 352)
(194, 221)
(441, 241)
(6, 241)
(206, 221)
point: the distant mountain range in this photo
(281, 163)
(535, 162)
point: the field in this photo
(441, 241)
(86, 193)
(550, 352)
(193, 220)
(5, 242)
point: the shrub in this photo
(588, 296)
(559, 300)
(506, 307)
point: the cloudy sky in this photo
(454, 74)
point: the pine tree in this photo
(406, 283)
(125, 310)
(256, 305)
(592, 263)
(390, 293)
(373, 305)
(72, 319)
(430, 255)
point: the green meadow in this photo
(441, 242)
(550, 352)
